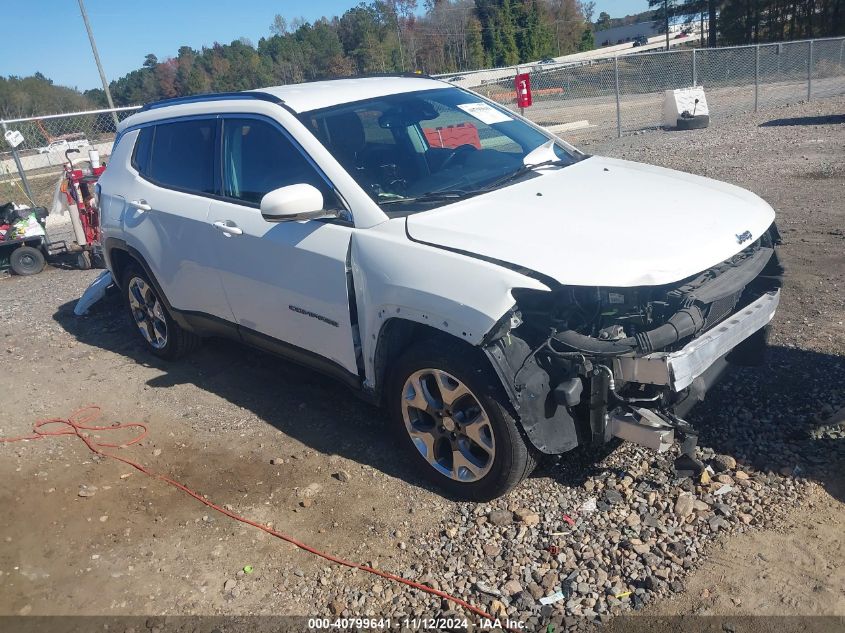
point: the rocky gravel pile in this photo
(595, 535)
(631, 531)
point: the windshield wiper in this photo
(433, 196)
(521, 171)
(460, 194)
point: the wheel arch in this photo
(119, 259)
(120, 256)
(550, 432)
(396, 335)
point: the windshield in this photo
(419, 150)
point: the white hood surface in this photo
(602, 222)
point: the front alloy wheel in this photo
(448, 425)
(448, 407)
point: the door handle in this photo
(141, 205)
(231, 229)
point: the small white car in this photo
(63, 145)
(502, 294)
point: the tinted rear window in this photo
(182, 155)
(141, 156)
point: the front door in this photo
(285, 281)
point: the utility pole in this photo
(665, 10)
(97, 59)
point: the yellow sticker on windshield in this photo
(484, 113)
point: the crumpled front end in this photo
(585, 364)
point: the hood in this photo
(602, 222)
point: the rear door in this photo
(285, 281)
(166, 212)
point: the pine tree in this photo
(508, 53)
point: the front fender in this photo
(395, 277)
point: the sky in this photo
(126, 30)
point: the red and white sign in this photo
(522, 82)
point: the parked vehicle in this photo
(640, 40)
(62, 145)
(502, 294)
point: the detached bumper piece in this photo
(679, 369)
(656, 430)
(641, 426)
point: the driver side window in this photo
(258, 158)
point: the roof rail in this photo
(406, 73)
(219, 96)
(369, 76)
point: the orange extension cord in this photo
(81, 420)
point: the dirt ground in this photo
(287, 447)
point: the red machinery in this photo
(79, 187)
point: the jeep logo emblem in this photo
(743, 237)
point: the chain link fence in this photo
(601, 98)
(588, 99)
(31, 177)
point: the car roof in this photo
(323, 94)
(300, 97)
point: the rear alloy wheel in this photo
(449, 409)
(161, 334)
(147, 312)
(26, 260)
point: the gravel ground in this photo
(612, 531)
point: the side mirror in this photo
(292, 203)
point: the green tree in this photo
(587, 42)
(533, 35)
(27, 96)
(603, 23)
(508, 52)
(476, 55)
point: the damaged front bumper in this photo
(566, 399)
(679, 369)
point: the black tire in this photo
(83, 260)
(178, 341)
(698, 122)
(26, 260)
(514, 459)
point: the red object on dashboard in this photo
(453, 136)
(522, 83)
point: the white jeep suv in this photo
(501, 293)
